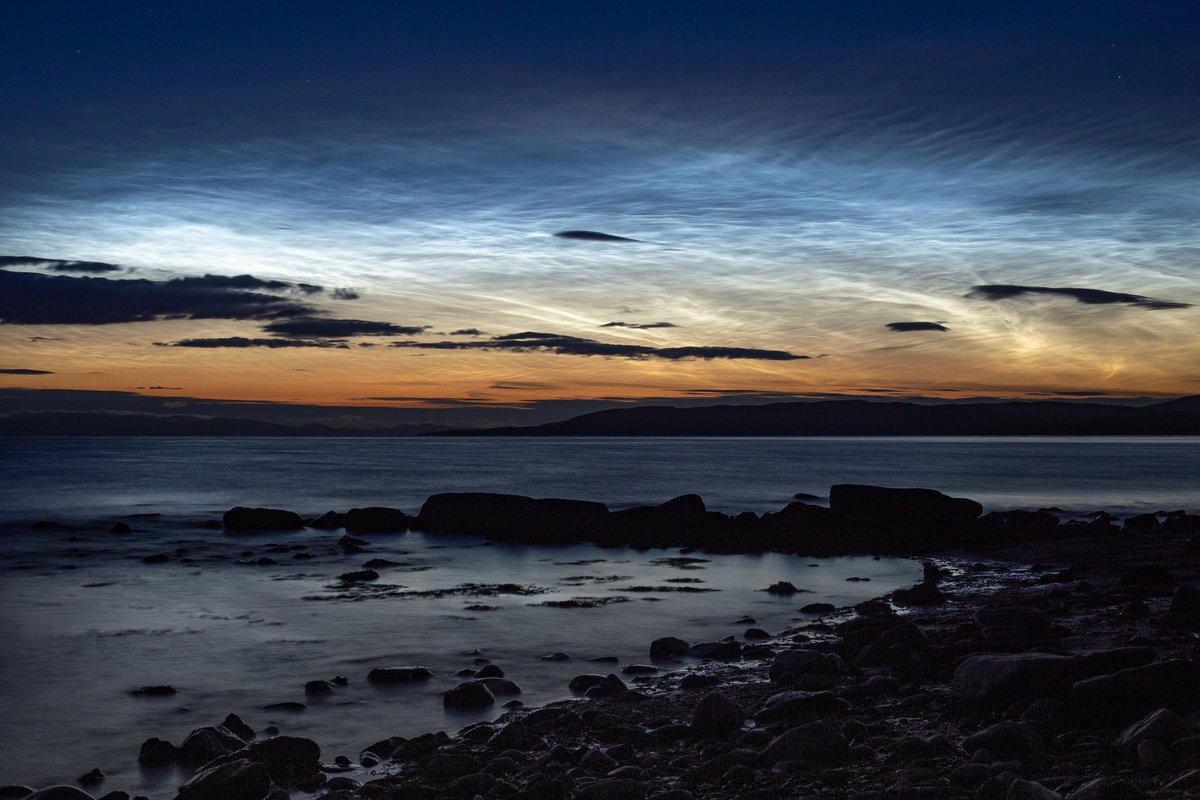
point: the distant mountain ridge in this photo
(108, 423)
(862, 418)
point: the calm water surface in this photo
(83, 620)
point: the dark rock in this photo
(238, 727)
(376, 519)
(468, 695)
(14, 792)
(120, 527)
(500, 687)
(613, 789)
(91, 778)
(1186, 601)
(555, 657)
(157, 753)
(204, 744)
(1022, 789)
(513, 517)
(1187, 782)
(1106, 789)
(717, 651)
(1016, 625)
(818, 608)
(489, 671)
(59, 793)
(359, 575)
(236, 780)
(581, 683)
(513, 736)
(261, 519)
(667, 647)
(452, 765)
(611, 686)
(1131, 693)
(693, 681)
(638, 669)
(290, 706)
(385, 748)
(329, 521)
(1162, 725)
(290, 761)
(157, 558)
(756, 633)
(318, 688)
(996, 679)
(782, 587)
(805, 662)
(1005, 739)
(876, 508)
(153, 691)
(717, 715)
(392, 675)
(921, 594)
(814, 743)
(1148, 575)
(792, 704)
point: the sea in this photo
(83, 620)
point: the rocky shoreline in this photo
(1055, 666)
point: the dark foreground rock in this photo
(261, 519)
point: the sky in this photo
(361, 204)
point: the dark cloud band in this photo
(321, 328)
(25, 372)
(639, 325)
(28, 298)
(242, 341)
(533, 341)
(905, 327)
(1091, 297)
(58, 264)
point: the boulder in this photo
(791, 704)
(610, 686)
(393, 675)
(329, 521)
(1007, 739)
(157, 753)
(997, 679)
(1148, 575)
(815, 743)
(1186, 601)
(1106, 789)
(238, 727)
(717, 715)
(204, 744)
(1162, 725)
(500, 687)
(717, 651)
(290, 761)
(667, 647)
(581, 683)
(59, 793)
(1131, 693)
(858, 507)
(236, 780)
(261, 519)
(468, 695)
(1013, 625)
(921, 594)
(376, 519)
(513, 517)
(805, 662)
(359, 576)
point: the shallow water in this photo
(234, 637)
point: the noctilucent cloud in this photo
(483, 203)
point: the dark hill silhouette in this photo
(862, 418)
(101, 423)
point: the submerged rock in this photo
(389, 675)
